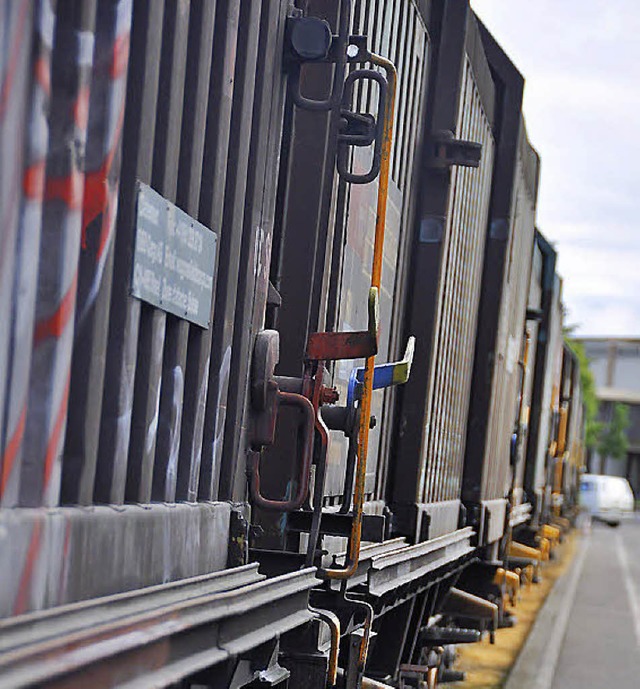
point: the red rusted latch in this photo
(266, 400)
(347, 345)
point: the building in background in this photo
(615, 364)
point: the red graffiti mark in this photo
(43, 74)
(69, 189)
(54, 440)
(33, 181)
(120, 56)
(81, 108)
(54, 325)
(5, 91)
(22, 599)
(96, 195)
(11, 451)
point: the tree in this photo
(593, 427)
(613, 438)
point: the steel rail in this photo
(93, 633)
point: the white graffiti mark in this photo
(153, 426)
(196, 447)
(172, 465)
(152, 430)
(257, 252)
(221, 415)
(47, 23)
(123, 21)
(123, 424)
(123, 430)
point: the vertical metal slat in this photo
(230, 240)
(102, 177)
(168, 377)
(59, 252)
(21, 122)
(196, 97)
(137, 160)
(214, 171)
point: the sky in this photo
(581, 63)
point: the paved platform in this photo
(601, 647)
(587, 634)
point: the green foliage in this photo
(613, 438)
(593, 427)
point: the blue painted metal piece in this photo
(384, 375)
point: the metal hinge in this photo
(445, 151)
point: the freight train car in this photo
(282, 371)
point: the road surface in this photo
(601, 647)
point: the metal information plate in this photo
(173, 260)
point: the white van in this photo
(606, 498)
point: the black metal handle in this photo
(357, 135)
(310, 40)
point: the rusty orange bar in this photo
(353, 553)
(333, 622)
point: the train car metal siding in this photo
(547, 452)
(446, 266)
(538, 440)
(498, 336)
(507, 370)
(322, 273)
(186, 97)
(408, 29)
(148, 530)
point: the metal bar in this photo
(206, 446)
(190, 174)
(34, 140)
(15, 91)
(102, 177)
(365, 403)
(257, 223)
(160, 370)
(188, 634)
(124, 319)
(387, 572)
(333, 622)
(309, 182)
(59, 251)
(143, 482)
(230, 250)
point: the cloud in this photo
(580, 61)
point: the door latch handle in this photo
(348, 345)
(384, 375)
(362, 129)
(289, 399)
(266, 400)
